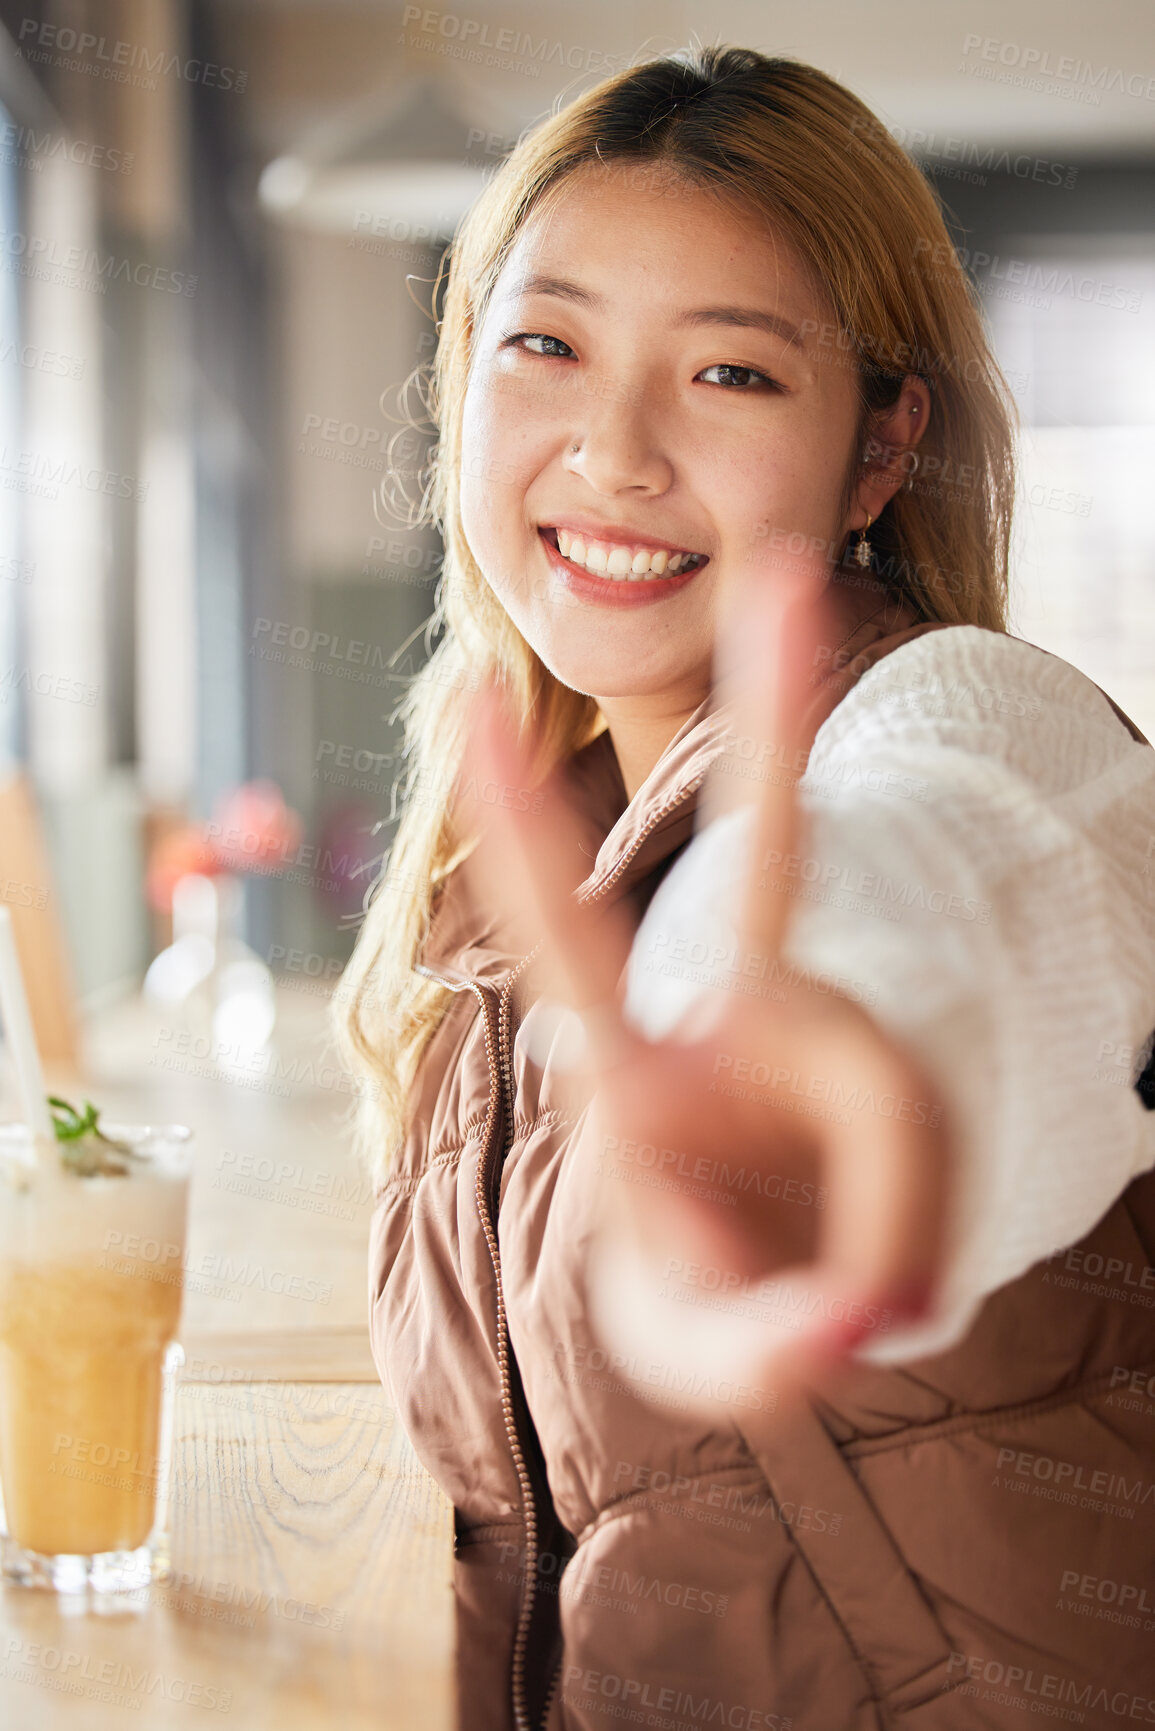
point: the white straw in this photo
(18, 1029)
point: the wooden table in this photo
(312, 1554)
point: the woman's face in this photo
(644, 385)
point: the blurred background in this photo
(220, 226)
(220, 222)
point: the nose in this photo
(618, 451)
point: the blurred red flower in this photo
(252, 829)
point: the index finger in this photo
(768, 648)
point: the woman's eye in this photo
(527, 337)
(736, 378)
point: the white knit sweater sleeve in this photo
(979, 868)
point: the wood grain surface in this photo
(311, 1583)
(281, 1355)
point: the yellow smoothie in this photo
(81, 1354)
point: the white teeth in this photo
(611, 559)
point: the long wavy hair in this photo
(807, 157)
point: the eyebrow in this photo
(744, 318)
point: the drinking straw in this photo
(18, 1028)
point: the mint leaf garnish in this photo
(85, 1149)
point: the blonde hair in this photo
(789, 143)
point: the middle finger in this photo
(533, 870)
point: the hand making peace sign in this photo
(876, 1247)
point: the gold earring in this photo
(862, 552)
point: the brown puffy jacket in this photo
(963, 1541)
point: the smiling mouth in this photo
(621, 562)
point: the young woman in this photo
(764, 1256)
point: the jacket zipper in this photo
(499, 1053)
(521, 1716)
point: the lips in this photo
(627, 589)
(617, 557)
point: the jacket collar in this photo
(624, 840)
(627, 839)
(661, 814)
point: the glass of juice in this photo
(92, 1254)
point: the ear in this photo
(886, 457)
